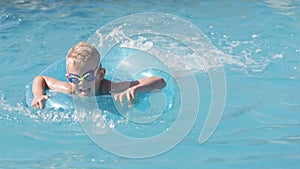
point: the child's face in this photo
(83, 78)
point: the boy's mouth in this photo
(84, 91)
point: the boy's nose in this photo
(82, 83)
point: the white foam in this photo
(177, 54)
(20, 111)
(278, 56)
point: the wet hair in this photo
(81, 53)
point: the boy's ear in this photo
(103, 71)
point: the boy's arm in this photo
(40, 83)
(148, 84)
(141, 85)
(131, 88)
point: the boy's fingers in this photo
(121, 99)
(34, 105)
(133, 97)
(41, 104)
(46, 97)
(116, 97)
(129, 99)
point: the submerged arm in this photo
(129, 89)
(148, 84)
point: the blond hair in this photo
(81, 53)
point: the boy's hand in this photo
(38, 101)
(128, 94)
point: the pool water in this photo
(260, 46)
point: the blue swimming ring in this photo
(147, 66)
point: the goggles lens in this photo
(75, 79)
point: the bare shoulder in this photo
(105, 86)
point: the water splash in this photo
(20, 112)
(247, 56)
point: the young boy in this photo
(86, 78)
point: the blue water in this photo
(260, 46)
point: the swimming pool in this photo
(260, 124)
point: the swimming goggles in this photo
(75, 79)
